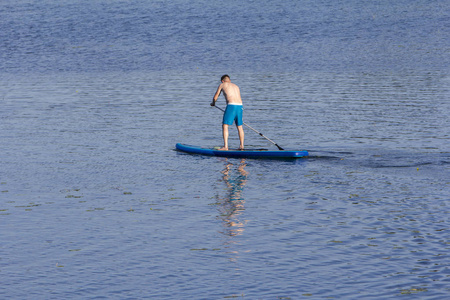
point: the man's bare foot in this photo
(241, 148)
(223, 148)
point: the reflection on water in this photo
(231, 205)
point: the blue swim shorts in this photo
(233, 113)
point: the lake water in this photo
(95, 202)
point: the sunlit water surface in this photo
(95, 202)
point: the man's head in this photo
(225, 78)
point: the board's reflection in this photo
(232, 204)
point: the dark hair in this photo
(224, 76)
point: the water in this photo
(96, 203)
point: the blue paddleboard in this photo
(257, 153)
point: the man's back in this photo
(231, 92)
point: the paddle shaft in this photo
(279, 148)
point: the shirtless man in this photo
(233, 112)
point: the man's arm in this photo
(216, 95)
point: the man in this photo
(233, 112)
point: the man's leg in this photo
(225, 137)
(241, 137)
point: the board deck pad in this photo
(247, 153)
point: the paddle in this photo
(279, 148)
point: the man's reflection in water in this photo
(232, 205)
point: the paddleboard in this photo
(247, 153)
